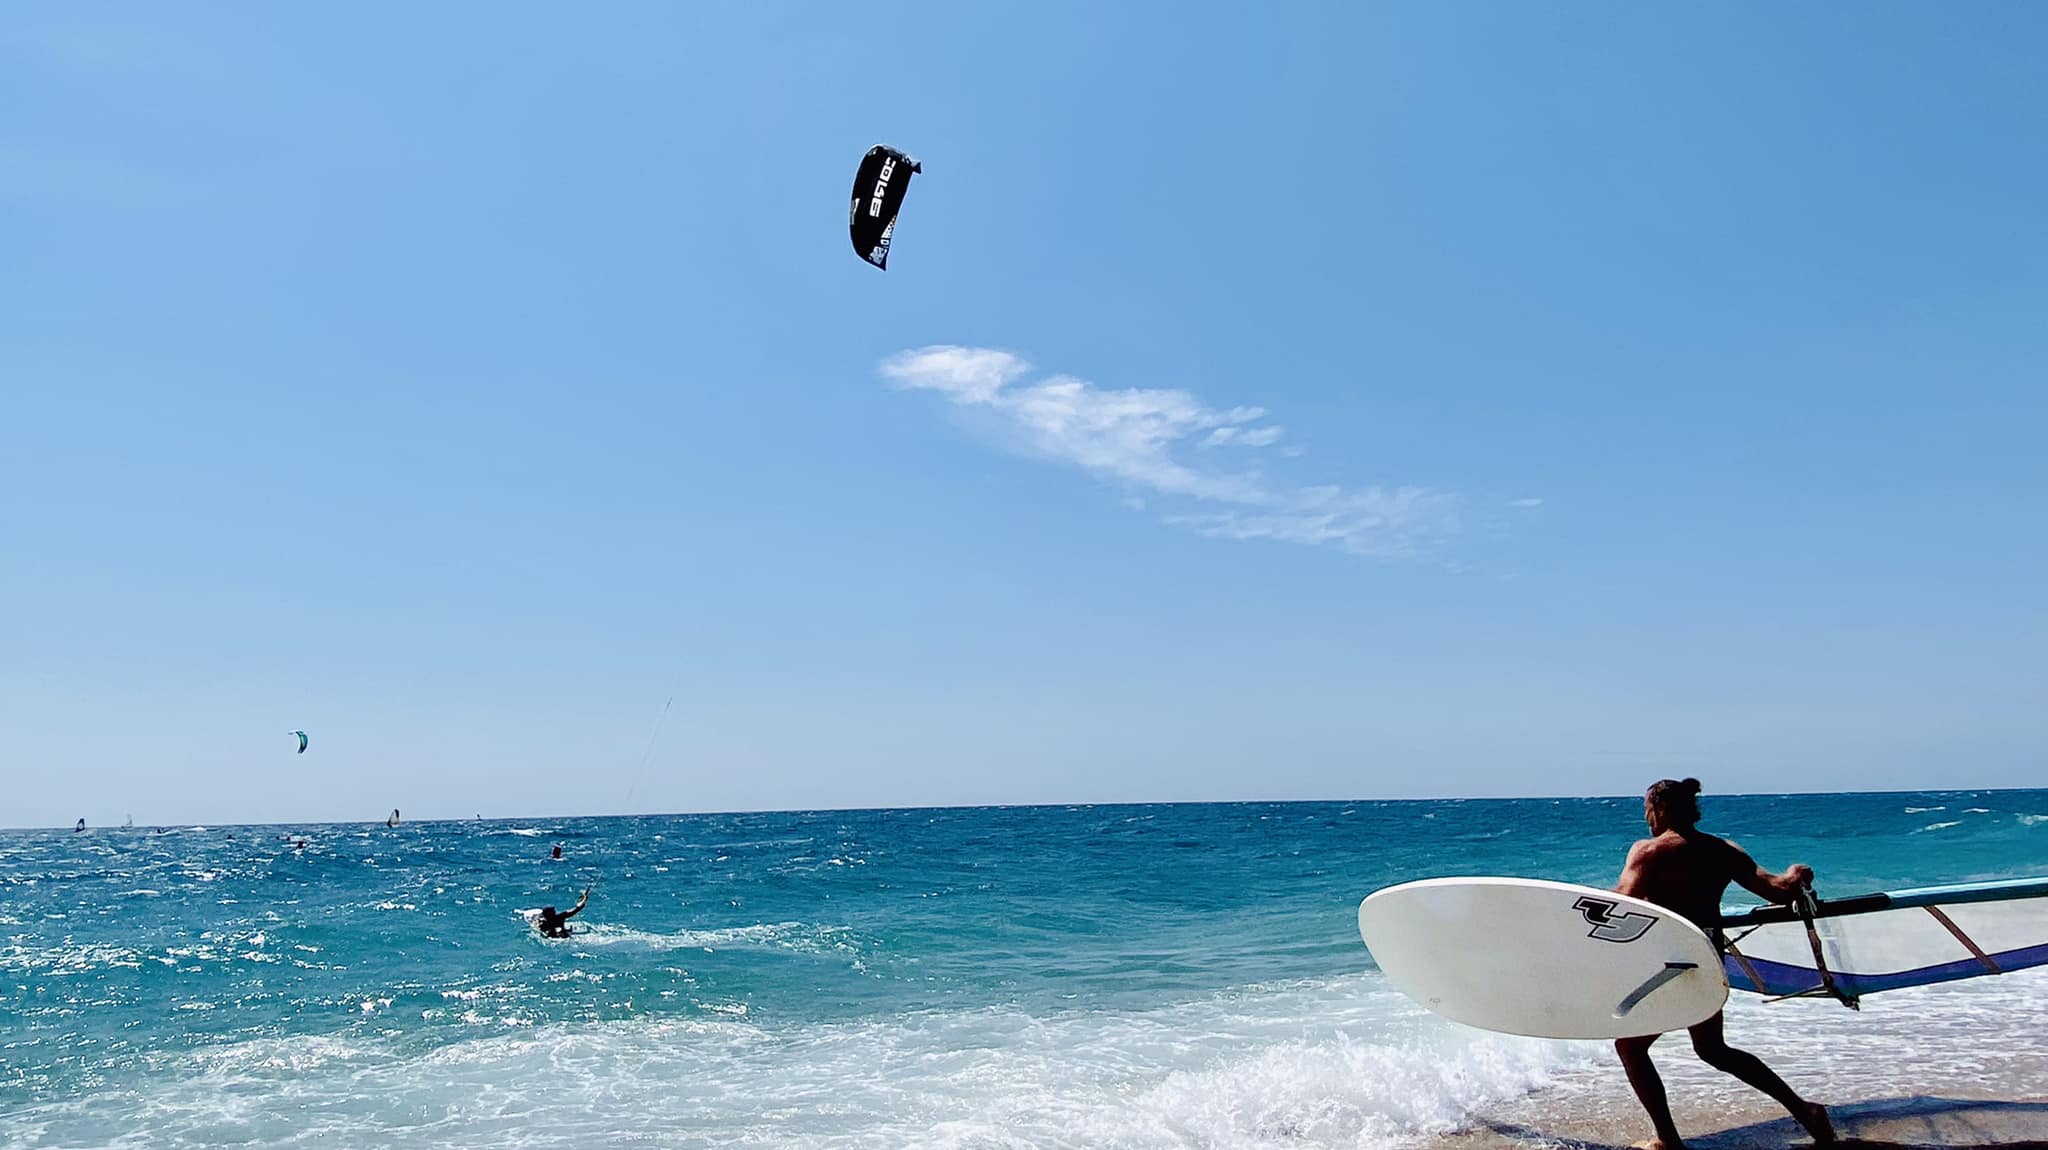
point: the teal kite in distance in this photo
(302, 741)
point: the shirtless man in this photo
(1686, 869)
(555, 923)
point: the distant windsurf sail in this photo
(1865, 944)
(394, 819)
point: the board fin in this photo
(1650, 986)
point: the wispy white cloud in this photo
(1525, 503)
(1155, 441)
(1254, 437)
(1400, 522)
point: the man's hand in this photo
(1800, 873)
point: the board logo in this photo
(1608, 926)
(882, 187)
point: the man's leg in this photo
(1642, 1074)
(1712, 1047)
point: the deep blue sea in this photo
(1145, 976)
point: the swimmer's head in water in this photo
(547, 912)
(1673, 802)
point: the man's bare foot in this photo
(1816, 1121)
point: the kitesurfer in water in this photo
(555, 923)
(1686, 869)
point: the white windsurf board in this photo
(1545, 959)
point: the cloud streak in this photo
(1166, 443)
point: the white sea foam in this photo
(796, 936)
(67, 958)
(1959, 1039)
(1338, 1063)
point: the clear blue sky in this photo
(458, 383)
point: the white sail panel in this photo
(1889, 940)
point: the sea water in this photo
(1141, 976)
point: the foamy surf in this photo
(1338, 1064)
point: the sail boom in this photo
(1895, 900)
(1889, 940)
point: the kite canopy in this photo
(301, 737)
(878, 190)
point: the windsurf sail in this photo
(394, 819)
(1849, 947)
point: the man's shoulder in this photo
(1713, 843)
(1693, 844)
(1658, 844)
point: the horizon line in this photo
(1038, 805)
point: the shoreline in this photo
(1598, 1112)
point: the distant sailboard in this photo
(1845, 948)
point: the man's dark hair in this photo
(1679, 799)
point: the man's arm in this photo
(1762, 883)
(579, 904)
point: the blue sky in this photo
(1340, 401)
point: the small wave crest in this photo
(1334, 1092)
(795, 936)
(1310, 1066)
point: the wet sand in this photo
(1906, 1122)
(1599, 1111)
(1960, 1065)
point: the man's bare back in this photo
(1688, 870)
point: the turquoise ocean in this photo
(1141, 976)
